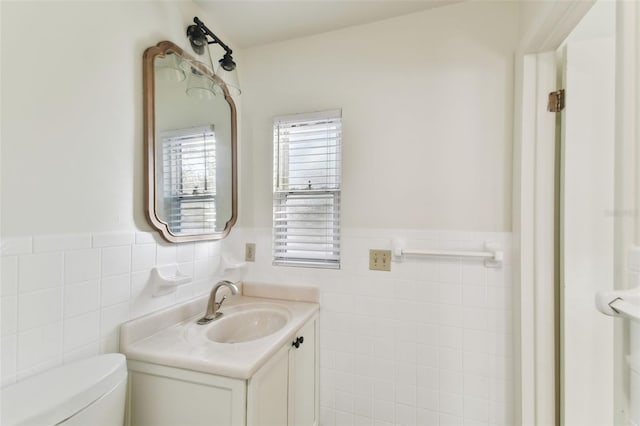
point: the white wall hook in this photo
(233, 270)
(166, 279)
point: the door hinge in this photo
(556, 101)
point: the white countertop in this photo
(163, 338)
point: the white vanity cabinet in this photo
(304, 378)
(168, 396)
(284, 391)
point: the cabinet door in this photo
(303, 378)
(267, 392)
(167, 396)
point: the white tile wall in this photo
(64, 297)
(428, 343)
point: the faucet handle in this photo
(218, 304)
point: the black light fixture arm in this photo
(198, 37)
(208, 32)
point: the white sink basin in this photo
(246, 325)
(241, 323)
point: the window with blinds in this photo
(189, 179)
(306, 189)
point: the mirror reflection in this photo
(192, 179)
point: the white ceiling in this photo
(250, 23)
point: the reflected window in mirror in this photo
(187, 168)
(191, 138)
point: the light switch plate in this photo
(380, 260)
(250, 252)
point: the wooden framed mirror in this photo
(190, 133)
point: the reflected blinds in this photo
(189, 179)
(306, 193)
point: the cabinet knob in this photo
(298, 342)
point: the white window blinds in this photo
(306, 192)
(189, 179)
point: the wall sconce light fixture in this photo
(200, 37)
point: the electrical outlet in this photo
(380, 260)
(250, 252)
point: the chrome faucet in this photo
(213, 306)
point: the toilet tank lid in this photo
(57, 394)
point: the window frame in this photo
(326, 204)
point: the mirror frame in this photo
(161, 50)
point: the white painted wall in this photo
(72, 172)
(544, 25)
(426, 102)
(427, 122)
(72, 111)
(533, 15)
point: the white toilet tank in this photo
(90, 392)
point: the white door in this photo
(597, 224)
